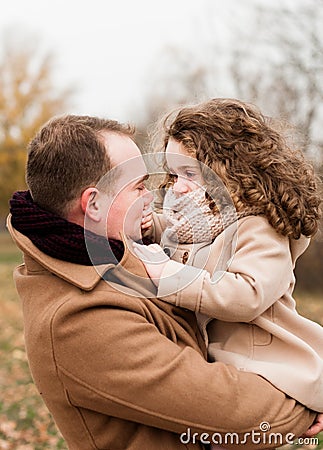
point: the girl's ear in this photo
(90, 204)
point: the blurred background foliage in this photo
(28, 98)
(276, 62)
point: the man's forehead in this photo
(130, 172)
(133, 168)
(120, 148)
(124, 155)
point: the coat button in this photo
(167, 251)
(185, 257)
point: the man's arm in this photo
(116, 361)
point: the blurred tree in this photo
(28, 98)
(309, 268)
(282, 71)
(183, 81)
(268, 53)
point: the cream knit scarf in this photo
(190, 220)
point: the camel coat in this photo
(247, 283)
(119, 370)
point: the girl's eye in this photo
(141, 187)
(189, 174)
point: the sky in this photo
(108, 51)
(104, 49)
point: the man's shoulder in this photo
(83, 277)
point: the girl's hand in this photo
(153, 258)
(316, 428)
(147, 219)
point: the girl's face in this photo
(185, 168)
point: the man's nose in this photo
(148, 197)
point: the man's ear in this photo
(90, 204)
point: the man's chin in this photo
(132, 235)
(135, 237)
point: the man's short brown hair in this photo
(66, 156)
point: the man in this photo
(118, 370)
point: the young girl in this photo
(235, 264)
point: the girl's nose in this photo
(180, 186)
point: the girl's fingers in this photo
(147, 220)
(146, 224)
(147, 216)
(152, 253)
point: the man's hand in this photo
(316, 428)
(153, 258)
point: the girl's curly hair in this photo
(252, 159)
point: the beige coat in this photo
(247, 284)
(119, 371)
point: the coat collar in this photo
(83, 277)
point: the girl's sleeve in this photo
(261, 271)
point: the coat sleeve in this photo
(115, 361)
(261, 271)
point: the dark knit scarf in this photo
(59, 238)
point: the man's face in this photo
(130, 197)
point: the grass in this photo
(25, 423)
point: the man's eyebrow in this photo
(142, 179)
